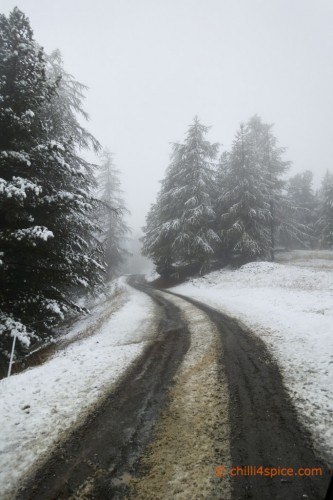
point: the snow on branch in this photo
(30, 234)
(9, 325)
(20, 156)
(18, 188)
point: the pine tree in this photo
(243, 205)
(285, 225)
(220, 206)
(303, 200)
(46, 208)
(23, 91)
(60, 116)
(266, 165)
(179, 229)
(325, 221)
(70, 205)
(157, 245)
(111, 216)
(268, 156)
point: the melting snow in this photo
(38, 406)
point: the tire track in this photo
(96, 459)
(265, 430)
(170, 421)
(192, 434)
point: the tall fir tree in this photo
(266, 164)
(243, 206)
(46, 230)
(304, 201)
(269, 159)
(180, 226)
(24, 89)
(70, 186)
(111, 216)
(324, 224)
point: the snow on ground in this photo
(99, 309)
(151, 276)
(289, 306)
(38, 406)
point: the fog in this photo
(152, 65)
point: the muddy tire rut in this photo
(192, 434)
(94, 460)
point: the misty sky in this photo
(152, 65)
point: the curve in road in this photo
(100, 458)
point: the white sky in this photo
(152, 65)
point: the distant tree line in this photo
(61, 231)
(236, 209)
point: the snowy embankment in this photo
(290, 307)
(39, 406)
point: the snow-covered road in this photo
(39, 406)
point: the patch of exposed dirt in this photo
(192, 435)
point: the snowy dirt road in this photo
(205, 393)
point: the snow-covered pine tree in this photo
(70, 187)
(268, 156)
(45, 233)
(61, 115)
(220, 206)
(156, 245)
(111, 216)
(325, 221)
(179, 229)
(284, 223)
(24, 89)
(243, 205)
(302, 198)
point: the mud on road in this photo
(192, 434)
(205, 393)
(264, 428)
(93, 461)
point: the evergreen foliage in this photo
(325, 209)
(256, 212)
(180, 225)
(268, 157)
(243, 204)
(46, 207)
(55, 232)
(111, 216)
(238, 212)
(300, 193)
